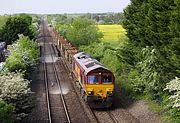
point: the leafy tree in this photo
(24, 54)
(6, 112)
(173, 48)
(83, 32)
(104, 53)
(135, 22)
(61, 18)
(147, 23)
(62, 29)
(27, 18)
(87, 15)
(20, 24)
(153, 28)
(96, 18)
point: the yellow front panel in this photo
(99, 89)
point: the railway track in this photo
(104, 116)
(98, 116)
(62, 64)
(112, 117)
(56, 105)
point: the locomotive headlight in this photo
(109, 92)
(90, 92)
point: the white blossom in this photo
(174, 87)
(13, 85)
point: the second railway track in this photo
(57, 110)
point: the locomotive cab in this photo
(100, 87)
(95, 80)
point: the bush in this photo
(13, 86)
(174, 87)
(24, 54)
(15, 90)
(15, 62)
(6, 112)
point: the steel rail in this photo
(64, 65)
(46, 81)
(60, 88)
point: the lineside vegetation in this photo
(16, 100)
(147, 63)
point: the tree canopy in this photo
(24, 54)
(153, 29)
(83, 31)
(20, 24)
(152, 26)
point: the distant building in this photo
(101, 22)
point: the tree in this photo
(135, 22)
(97, 18)
(148, 24)
(83, 31)
(24, 54)
(20, 24)
(87, 16)
(61, 18)
(174, 46)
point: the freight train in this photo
(96, 82)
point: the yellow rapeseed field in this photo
(112, 33)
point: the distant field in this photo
(112, 33)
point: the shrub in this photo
(15, 90)
(6, 112)
(13, 85)
(174, 87)
(24, 54)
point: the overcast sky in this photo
(61, 6)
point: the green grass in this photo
(112, 33)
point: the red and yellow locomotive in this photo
(96, 82)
